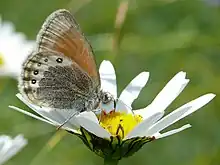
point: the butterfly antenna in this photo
(68, 119)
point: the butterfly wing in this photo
(61, 73)
(61, 33)
(52, 80)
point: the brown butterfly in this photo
(61, 73)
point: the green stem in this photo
(119, 23)
(108, 161)
(53, 141)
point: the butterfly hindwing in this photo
(52, 80)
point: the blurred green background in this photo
(159, 36)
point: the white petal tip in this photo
(12, 107)
(207, 97)
(211, 95)
(107, 63)
(182, 73)
(163, 135)
(106, 66)
(18, 95)
(186, 126)
(145, 74)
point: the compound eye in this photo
(107, 98)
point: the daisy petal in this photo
(89, 121)
(55, 116)
(108, 78)
(41, 119)
(140, 129)
(122, 107)
(21, 48)
(88, 115)
(180, 113)
(107, 107)
(172, 89)
(9, 146)
(198, 103)
(174, 131)
(131, 92)
(30, 114)
(166, 121)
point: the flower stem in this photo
(119, 23)
(110, 161)
(53, 141)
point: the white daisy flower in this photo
(119, 132)
(10, 147)
(14, 48)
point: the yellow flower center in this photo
(119, 124)
(1, 59)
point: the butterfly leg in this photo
(68, 119)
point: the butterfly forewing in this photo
(61, 33)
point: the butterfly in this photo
(61, 72)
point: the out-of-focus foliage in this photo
(159, 36)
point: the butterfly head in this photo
(106, 97)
